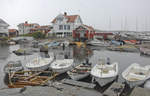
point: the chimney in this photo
(65, 13)
(26, 22)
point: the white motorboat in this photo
(104, 73)
(13, 66)
(79, 72)
(145, 51)
(39, 63)
(96, 42)
(136, 75)
(61, 66)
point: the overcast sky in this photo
(101, 14)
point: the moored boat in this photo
(96, 42)
(13, 66)
(40, 63)
(104, 73)
(79, 72)
(136, 75)
(145, 51)
(123, 48)
(62, 66)
(114, 42)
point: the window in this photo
(68, 27)
(60, 27)
(65, 27)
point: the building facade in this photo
(63, 24)
(44, 29)
(3, 28)
(24, 28)
(83, 33)
(13, 32)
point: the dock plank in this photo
(138, 91)
(78, 83)
(114, 90)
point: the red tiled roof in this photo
(12, 30)
(44, 26)
(71, 18)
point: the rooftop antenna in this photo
(125, 25)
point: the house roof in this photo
(71, 18)
(89, 27)
(2, 22)
(12, 30)
(26, 24)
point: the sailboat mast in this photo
(145, 24)
(109, 23)
(121, 24)
(125, 25)
(136, 23)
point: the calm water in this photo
(79, 54)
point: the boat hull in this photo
(62, 70)
(62, 66)
(136, 75)
(104, 78)
(103, 81)
(76, 76)
(45, 67)
(134, 83)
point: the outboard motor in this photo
(108, 60)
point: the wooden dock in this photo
(114, 90)
(138, 91)
(78, 83)
(29, 78)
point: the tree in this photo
(38, 35)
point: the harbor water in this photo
(79, 54)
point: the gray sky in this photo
(96, 13)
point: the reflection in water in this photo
(81, 54)
(4, 54)
(4, 51)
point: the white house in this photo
(63, 24)
(3, 28)
(25, 28)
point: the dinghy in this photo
(99, 43)
(145, 51)
(136, 75)
(79, 72)
(13, 66)
(40, 63)
(61, 66)
(104, 73)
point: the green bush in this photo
(38, 35)
(4, 38)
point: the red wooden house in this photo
(83, 33)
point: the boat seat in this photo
(133, 76)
